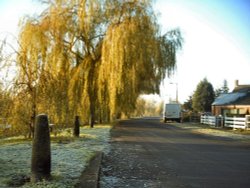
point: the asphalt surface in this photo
(149, 153)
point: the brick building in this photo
(236, 103)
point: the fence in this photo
(238, 123)
(234, 122)
(211, 120)
(194, 118)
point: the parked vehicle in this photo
(172, 112)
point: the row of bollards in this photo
(41, 152)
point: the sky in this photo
(216, 43)
(216, 39)
(11, 11)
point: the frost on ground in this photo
(214, 132)
(223, 134)
(69, 158)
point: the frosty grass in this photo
(213, 132)
(68, 158)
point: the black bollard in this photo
(41, 154)
(77, 127)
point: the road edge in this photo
(90, 176)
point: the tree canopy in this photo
(203, 96)
(223, 89)
(92, 58)
(188, 104)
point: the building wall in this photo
(231, 109)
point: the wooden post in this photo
(77, 126)
(41, 154)
(247, 123)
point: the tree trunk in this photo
(32, 121)
(92, 115)
(92, 93)
(77, 127)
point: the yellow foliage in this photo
(92, 58)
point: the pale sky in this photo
(216, 34)
(217, 42)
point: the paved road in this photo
(148, 153)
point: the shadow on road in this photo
(149, 153)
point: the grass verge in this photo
(69, 157)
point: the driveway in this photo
(149, 153)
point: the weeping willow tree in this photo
(31, 62)
(93, 58)
(135, 57)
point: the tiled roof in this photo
(229, 98)
(239, 96)
(243, 100)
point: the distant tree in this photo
(223, 89)
(140, 107)
(159, 108)
(203, 96)
(188, 104)
(148, 107)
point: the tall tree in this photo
(203, 96)
(188, 105)
(135, 56)
(31, 62)
(99, 55)
(222, 90)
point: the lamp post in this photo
(176, 84)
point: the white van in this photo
(172, 112)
